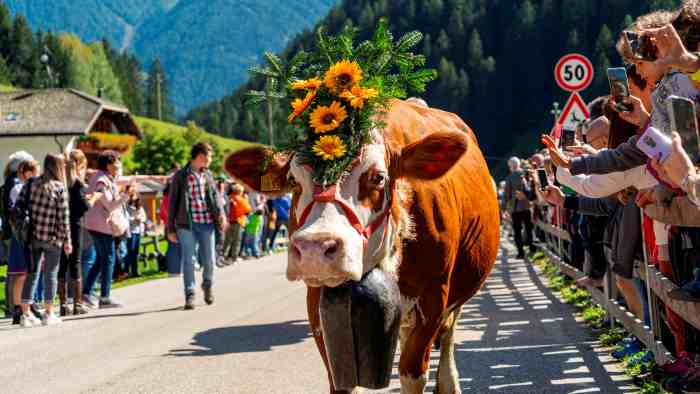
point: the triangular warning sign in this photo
(574, 112)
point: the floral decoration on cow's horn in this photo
(335, 93)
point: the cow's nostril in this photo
(331, 248)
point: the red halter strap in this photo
(331, 195)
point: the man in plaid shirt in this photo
(193, 212)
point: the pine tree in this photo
(21, 55)
(602, 57)
(5, 30)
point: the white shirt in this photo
(604, 185)
(14, 193)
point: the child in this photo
(252, 234)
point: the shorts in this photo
(18, 258)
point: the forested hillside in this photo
(495, 60)
(205, 46)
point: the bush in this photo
(157, 152)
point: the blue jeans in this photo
(52, 258)
(251, 245)
(173, 257)
(132, 257)
(88, 258)
(201, 236)
(104, 265)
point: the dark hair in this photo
(687, 24)
(595, 107)
(54, 168)
(106, 158)
(200, 148)
(620, 129)
(635, 77)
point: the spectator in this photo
(193, 213)
(106, 222)
(281, 206)
(172, 255)
(47, 205)
(518, 194)
(251, 239)
(18, 264)
(239, 209)
(78, 204)
(137, 220)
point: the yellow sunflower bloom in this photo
(307, 84)
(358, 95)
(342, 76)
(299, 105)
(329, 147)
(325, 119)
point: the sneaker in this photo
(676, 367)
(36, 311)
(50, 319)
(189, 302)
(108, 303)
(65, 310)
(16, 315)
(208, 294)
(91, 301)
(28, 320)
(628, 349)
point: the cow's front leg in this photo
(448, 376)
(313, 298)
(415, 356)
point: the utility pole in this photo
(159, 80)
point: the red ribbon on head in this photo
(330, 195)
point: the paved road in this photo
(513, 337)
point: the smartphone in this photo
(655, 144)
(641, 46)
(684, 122)
(619, 88)
(544, 182)
(568, 138)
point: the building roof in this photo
(55, 112)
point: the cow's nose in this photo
(326, 249)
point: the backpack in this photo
(20, 216)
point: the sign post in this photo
(573, 73)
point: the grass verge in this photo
(594, 315)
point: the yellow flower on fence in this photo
(329, 147)
(325, 119)
(342, 76)
(358, 95)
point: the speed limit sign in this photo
(573, 72)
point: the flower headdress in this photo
(335, 93)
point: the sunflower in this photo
(358, 95)
(329, 147)
(342, 76)
(306, 84)
(299, 105)
(325, 119)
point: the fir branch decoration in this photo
(335, 93)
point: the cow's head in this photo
(340, 232)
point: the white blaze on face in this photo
(326, 250)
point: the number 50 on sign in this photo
(574, 72)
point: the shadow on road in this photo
(245, 339)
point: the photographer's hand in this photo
(554, 195)
(558, 157)
(670, 50)
(638, 116)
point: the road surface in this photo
(515, 336)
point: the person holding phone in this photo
(518, 194)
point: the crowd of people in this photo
(619, 204)
(68, 229)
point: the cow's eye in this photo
(378, 179)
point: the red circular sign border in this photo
(575, 56)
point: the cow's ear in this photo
(260, 169)
(431, 157)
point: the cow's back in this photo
(456, 217)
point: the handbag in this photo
(20, 217)
(118, 222)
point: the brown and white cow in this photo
(419, 201)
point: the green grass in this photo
(3, 276)
(6, 88)
(226, 144)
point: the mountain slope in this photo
(205, 45)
